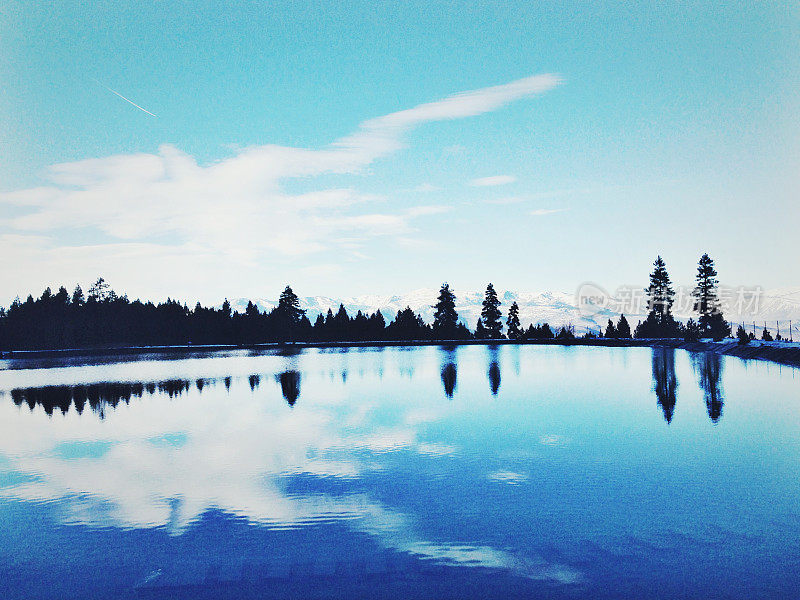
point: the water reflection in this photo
(449, 376)
(103, 396)
(449, 370)
(494, 369)
(168, 465)
(290, 385)
(386, 477)
(99, 396)
(708, 367)
(254, 381)
(665, 384)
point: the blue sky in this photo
(287, 146)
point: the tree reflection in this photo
(98, 396)
(665, 384)
(449, 370)
(494, 370)
(708, 367)
(290, 386)
(102, 396)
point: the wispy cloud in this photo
(507, 200)
(545, 211)
(115, 92)
(493, 180)
(236, 209)
(576, 192)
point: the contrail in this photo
(124, 98)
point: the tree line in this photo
(102, 318)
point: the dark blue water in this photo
(476, 472)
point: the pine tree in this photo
(623, 328)
(741, 335)
(480, 330)
(512, 323)
(490, 314)
(565, 334)
(710, 318)
(77, 296)
(377, 326)
(99, 290)
(319, 328)
(611, 331)
(329, 328)
(445, 318)
(660, 294)
(341, 316)
(408, 325)
(289, 306)
(359, 327)
(692, 331)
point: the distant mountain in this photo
(556, 308)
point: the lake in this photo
(419, 472)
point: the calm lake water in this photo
(476, 472)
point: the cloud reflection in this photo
(186, 447)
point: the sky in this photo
(203, 150)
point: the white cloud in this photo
(493, 180)
(419, 211)
(236, 209)
(507, 200)
(545, 211)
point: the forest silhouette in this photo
(103, 319)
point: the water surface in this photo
(492, 472)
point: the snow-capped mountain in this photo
(775, 307)
(556, 308)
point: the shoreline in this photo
(778, 352)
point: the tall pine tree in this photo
(660, 296)
(289, 306)
(710, 320)
(288, 317)
(445, 318)
(490, 314)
